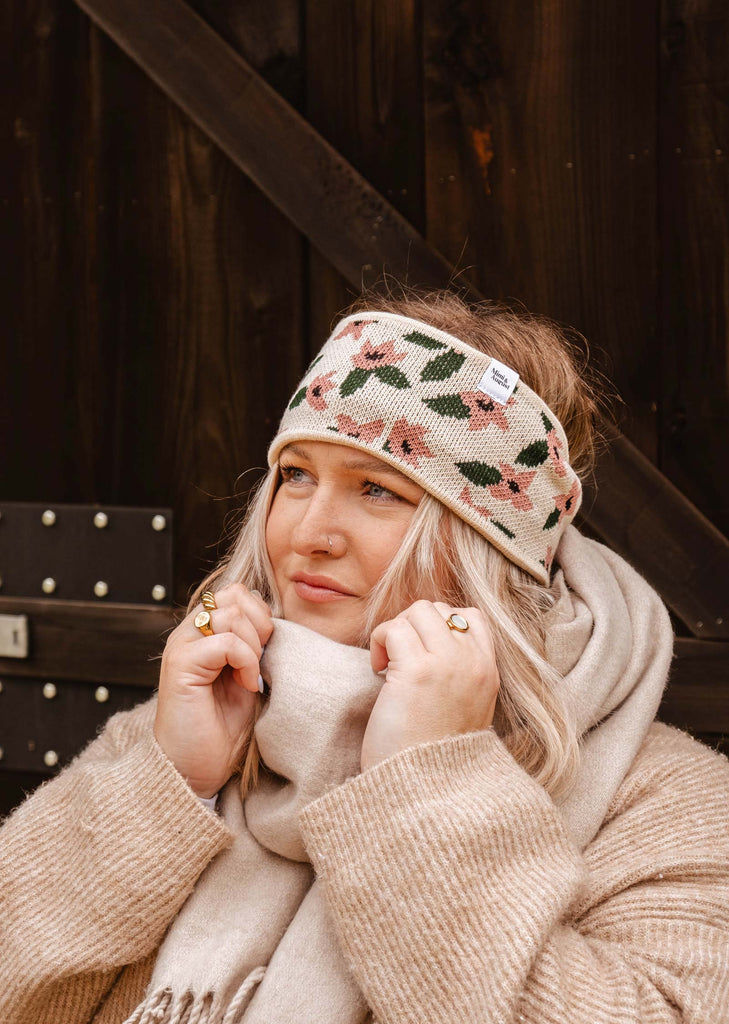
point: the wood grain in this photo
(364, 96)
(694, 203)
(540, 166)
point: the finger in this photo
(233, 620)
(394, 640)
(250, 604)
(213, 653)
(428, 620)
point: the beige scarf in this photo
(254, 942)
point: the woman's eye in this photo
(380, 493)
(292, 474)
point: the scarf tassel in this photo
(161, 1007)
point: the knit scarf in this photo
(254, 943)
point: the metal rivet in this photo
(2, 753)
(101, 694)
(699, 624)
(101, 588)
(159, 523)
(101, 520)
(50, 758)
(49, 517)
(159, 593)
(48, 585)
(49, 690)
(1, 686)
(719, 621)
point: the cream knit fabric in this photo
(454, 886)
(444, 414)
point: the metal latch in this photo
(13, 636)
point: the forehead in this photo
(347, 459)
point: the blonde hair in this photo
(443, 558)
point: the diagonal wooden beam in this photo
(670, 542)
(319, 191)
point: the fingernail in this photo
(257, 593)
(260, 684)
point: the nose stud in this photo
(330, 544)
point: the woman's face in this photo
(330, 492)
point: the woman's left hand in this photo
(439, 682)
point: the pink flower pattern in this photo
(406, 441)
(555, 456)
(465, 497)
(354, 328)
(318, 388)
(484, 410)
(366, 432)
(371, 356)
(565, 503)
(513, 487)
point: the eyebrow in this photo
(363, 465)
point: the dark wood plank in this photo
(694, 192)
(51, 370)
(258, 130)
(639, 513)
(364, 96)
(541, 165)
(114, 644)
(697, 697)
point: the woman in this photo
(462, 810)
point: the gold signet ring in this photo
(208, 601)
(202, 622)
(457, 622)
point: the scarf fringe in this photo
(162, 1007)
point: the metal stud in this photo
(1, 686)
(101, 520)
(49, 517)
(101, 694)
(159, 593)
(48, 585)
(2, 753)
(50, 759)
(49, 690)
(159, 523)
(101, 588)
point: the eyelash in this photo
(287, 473)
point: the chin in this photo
(341, 631)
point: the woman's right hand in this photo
(208, 687)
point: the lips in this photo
(319, 588)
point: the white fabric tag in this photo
(498, 382)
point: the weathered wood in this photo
(697, 697)
(259, 131)
(638, 512)
(364, 95)
(694, 204)
(540, 169)
(90, 643)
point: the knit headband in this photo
(458, 422)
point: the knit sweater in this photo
(455, 889)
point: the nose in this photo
(319, 530)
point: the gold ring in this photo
(455, 621)
(202, 622)
(208, 601)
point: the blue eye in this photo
(379, 493)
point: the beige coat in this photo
(455, 889)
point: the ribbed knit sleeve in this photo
(93, 868)
(458, 894)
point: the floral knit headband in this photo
(456, 421)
